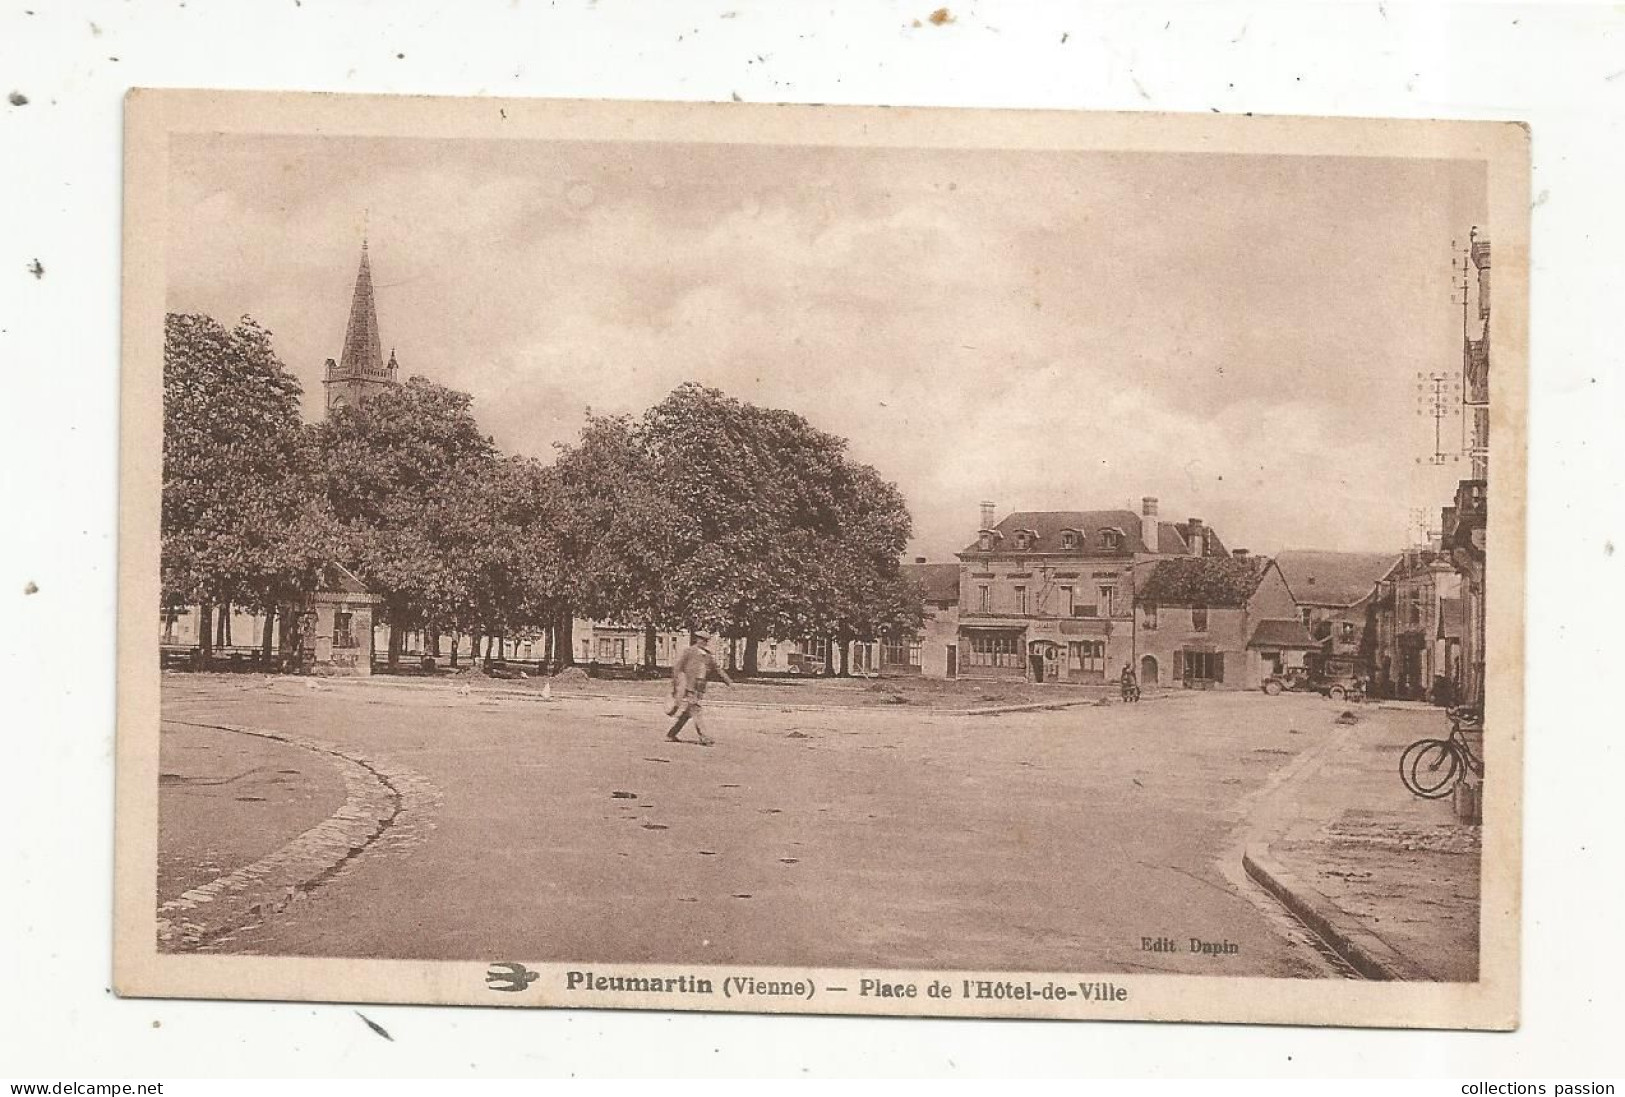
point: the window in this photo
(1306, 613)
(342, 636)
(1151, 618)
(1111, 539)
(1416, 610)
(1069, 539)
(1087, 656)
(995, 650)
(1204, 666)
(1021, 600)
(1069, 600)
(1103, 600)
(984, 597)
(1023, 540)
(900, 653)
(985, 542)
(1348, 630)
(1198, 618)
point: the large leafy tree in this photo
(711, 511)
(242, 521)
(619, 529)
(403, 475)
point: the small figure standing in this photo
(688, 677)
(1130, 683)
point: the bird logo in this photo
(509, 977)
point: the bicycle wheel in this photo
(1430, 768)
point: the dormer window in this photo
(1024, 541)
(1069, 539)
(1111, 539)
(985, 541)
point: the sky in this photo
(1238, 336)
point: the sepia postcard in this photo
(831, 560)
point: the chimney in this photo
(987, 516)
(1196, 537)
(1148, 523)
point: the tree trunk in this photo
(456, 642)
(266, 635)
(394, 645)
(846, 646)
(648, 647)
(565, 648)
(205, 634)
(752, 656)
(474, 649)
(434, 643)
(223, 627)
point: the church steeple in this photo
(363, 355)
(360, 368)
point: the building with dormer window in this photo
(1050, 595)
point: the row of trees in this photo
(704, 512)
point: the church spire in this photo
(363, 354)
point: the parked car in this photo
(1331, 680)
(804, 664)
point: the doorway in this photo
(1148, 671)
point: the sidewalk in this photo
(1394, 878)
(225, 801)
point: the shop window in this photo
(1087, 656)
(1204, 666)
(994, 650)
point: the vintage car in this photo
(1332, 678)
(804, 664)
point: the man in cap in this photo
(688, 677)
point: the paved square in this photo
(891, 837)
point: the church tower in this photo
(360, 370)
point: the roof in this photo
(1205, 580)
(1452, 618)
(1276, 632)
(1050, 524)
(938, 582)
(338, 579)
(1332, 578)
(363, 351)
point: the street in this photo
(1094, 838)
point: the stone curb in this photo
(373, 800)
(1361, 949)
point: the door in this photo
(1148, 671)
(953, 660)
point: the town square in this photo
(727, 608)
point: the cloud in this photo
(1234, 335)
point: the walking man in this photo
(688, 677)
